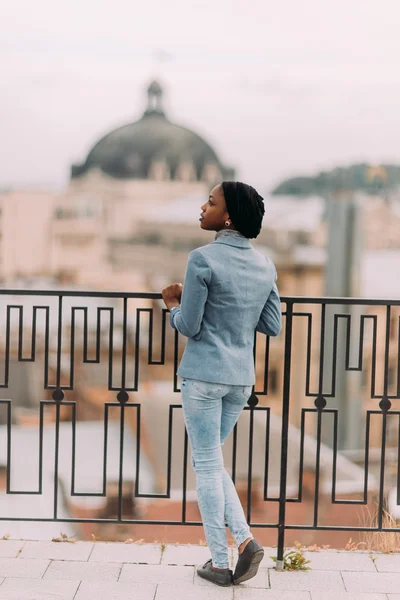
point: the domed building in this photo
(154, 148)
(135, 172)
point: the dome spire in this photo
(154, 102)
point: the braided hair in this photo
(245, 207)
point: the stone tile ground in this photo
(42, 570)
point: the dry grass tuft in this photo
(353, 546)
(312, 548)
(380, 541)
(64, 538)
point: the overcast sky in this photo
(279, 88)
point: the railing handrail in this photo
(158, 296)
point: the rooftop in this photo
(40, 570)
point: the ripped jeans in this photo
(211, 411)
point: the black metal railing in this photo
(330, 337)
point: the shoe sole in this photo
(253, 568)
(216, 582)
(228, 584)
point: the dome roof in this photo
(137, 149)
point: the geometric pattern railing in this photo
(335, 330)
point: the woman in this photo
(229, 292)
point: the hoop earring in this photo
(227, 223)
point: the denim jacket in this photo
(229, 292)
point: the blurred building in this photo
(129, 174)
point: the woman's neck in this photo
(222, 232)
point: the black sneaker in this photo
(248, 562)
(223, 578)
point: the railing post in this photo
(284, 437)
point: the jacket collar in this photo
(232, 238)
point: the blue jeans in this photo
(211, 411)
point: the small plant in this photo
(163, 546)
(294, 560)
(373, 558)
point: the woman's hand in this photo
(172, 295)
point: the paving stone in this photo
(157, 574)
(57, 550)
(83, 571)
(199, 581)
(149, 554)
(10, 548)
(328, 560)
(193, 592)
(115, 591)
(267, 561)
(388, 563)
(37, 589)
(241, 593)
(346, 596)
(112, 571)
(186, 555)
(261, 580)
(383, 583)
(19, 567)
(307, 580)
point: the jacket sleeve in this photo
(270, 321)
(188, 317)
